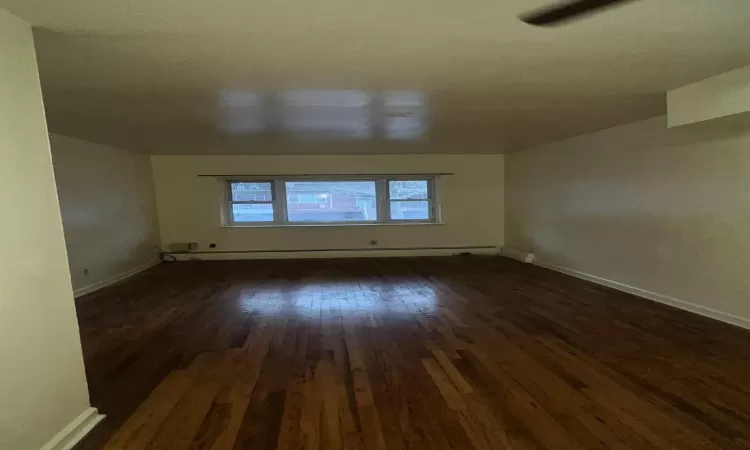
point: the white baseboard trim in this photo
(104, 283)
(76, 430)
(336, 253)
(695, 308)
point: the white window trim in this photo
(281, 213)
(228, 202)
(431, 200)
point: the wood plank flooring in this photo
(404, 353)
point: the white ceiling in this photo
(155, 75)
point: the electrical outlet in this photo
(374, 242)
(211, 245)
(85, 271)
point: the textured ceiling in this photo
(270, 76)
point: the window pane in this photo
(259, 192)
(258, 212)
(408, 190)
(410, 210)
(331, 201)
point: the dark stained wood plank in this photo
(405, 353)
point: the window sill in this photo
(338, 225)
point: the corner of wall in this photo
(113, 188)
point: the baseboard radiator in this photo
(336, 252)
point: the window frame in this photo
(279, 201)
(431, 200)
(284, 201)
(229, 202)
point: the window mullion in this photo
(387, 207)
(280, 203)
(433, 202)
(381, 191)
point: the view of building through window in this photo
(258, 206)
(331, 201)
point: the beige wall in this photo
(472, 202)
(716, 97)
(662, 210)
(42, 381)
(108, 210)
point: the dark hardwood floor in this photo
(417, 353)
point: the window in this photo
(330, 202)
(409, 200)
(250, 202)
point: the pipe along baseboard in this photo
(518, 255)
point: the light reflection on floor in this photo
(331, 300)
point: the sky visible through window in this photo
(409, 200)
(252, 212)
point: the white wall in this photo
(662, 210)
(42, 380)
(108, 210)
(472, 202)
(724, 95)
